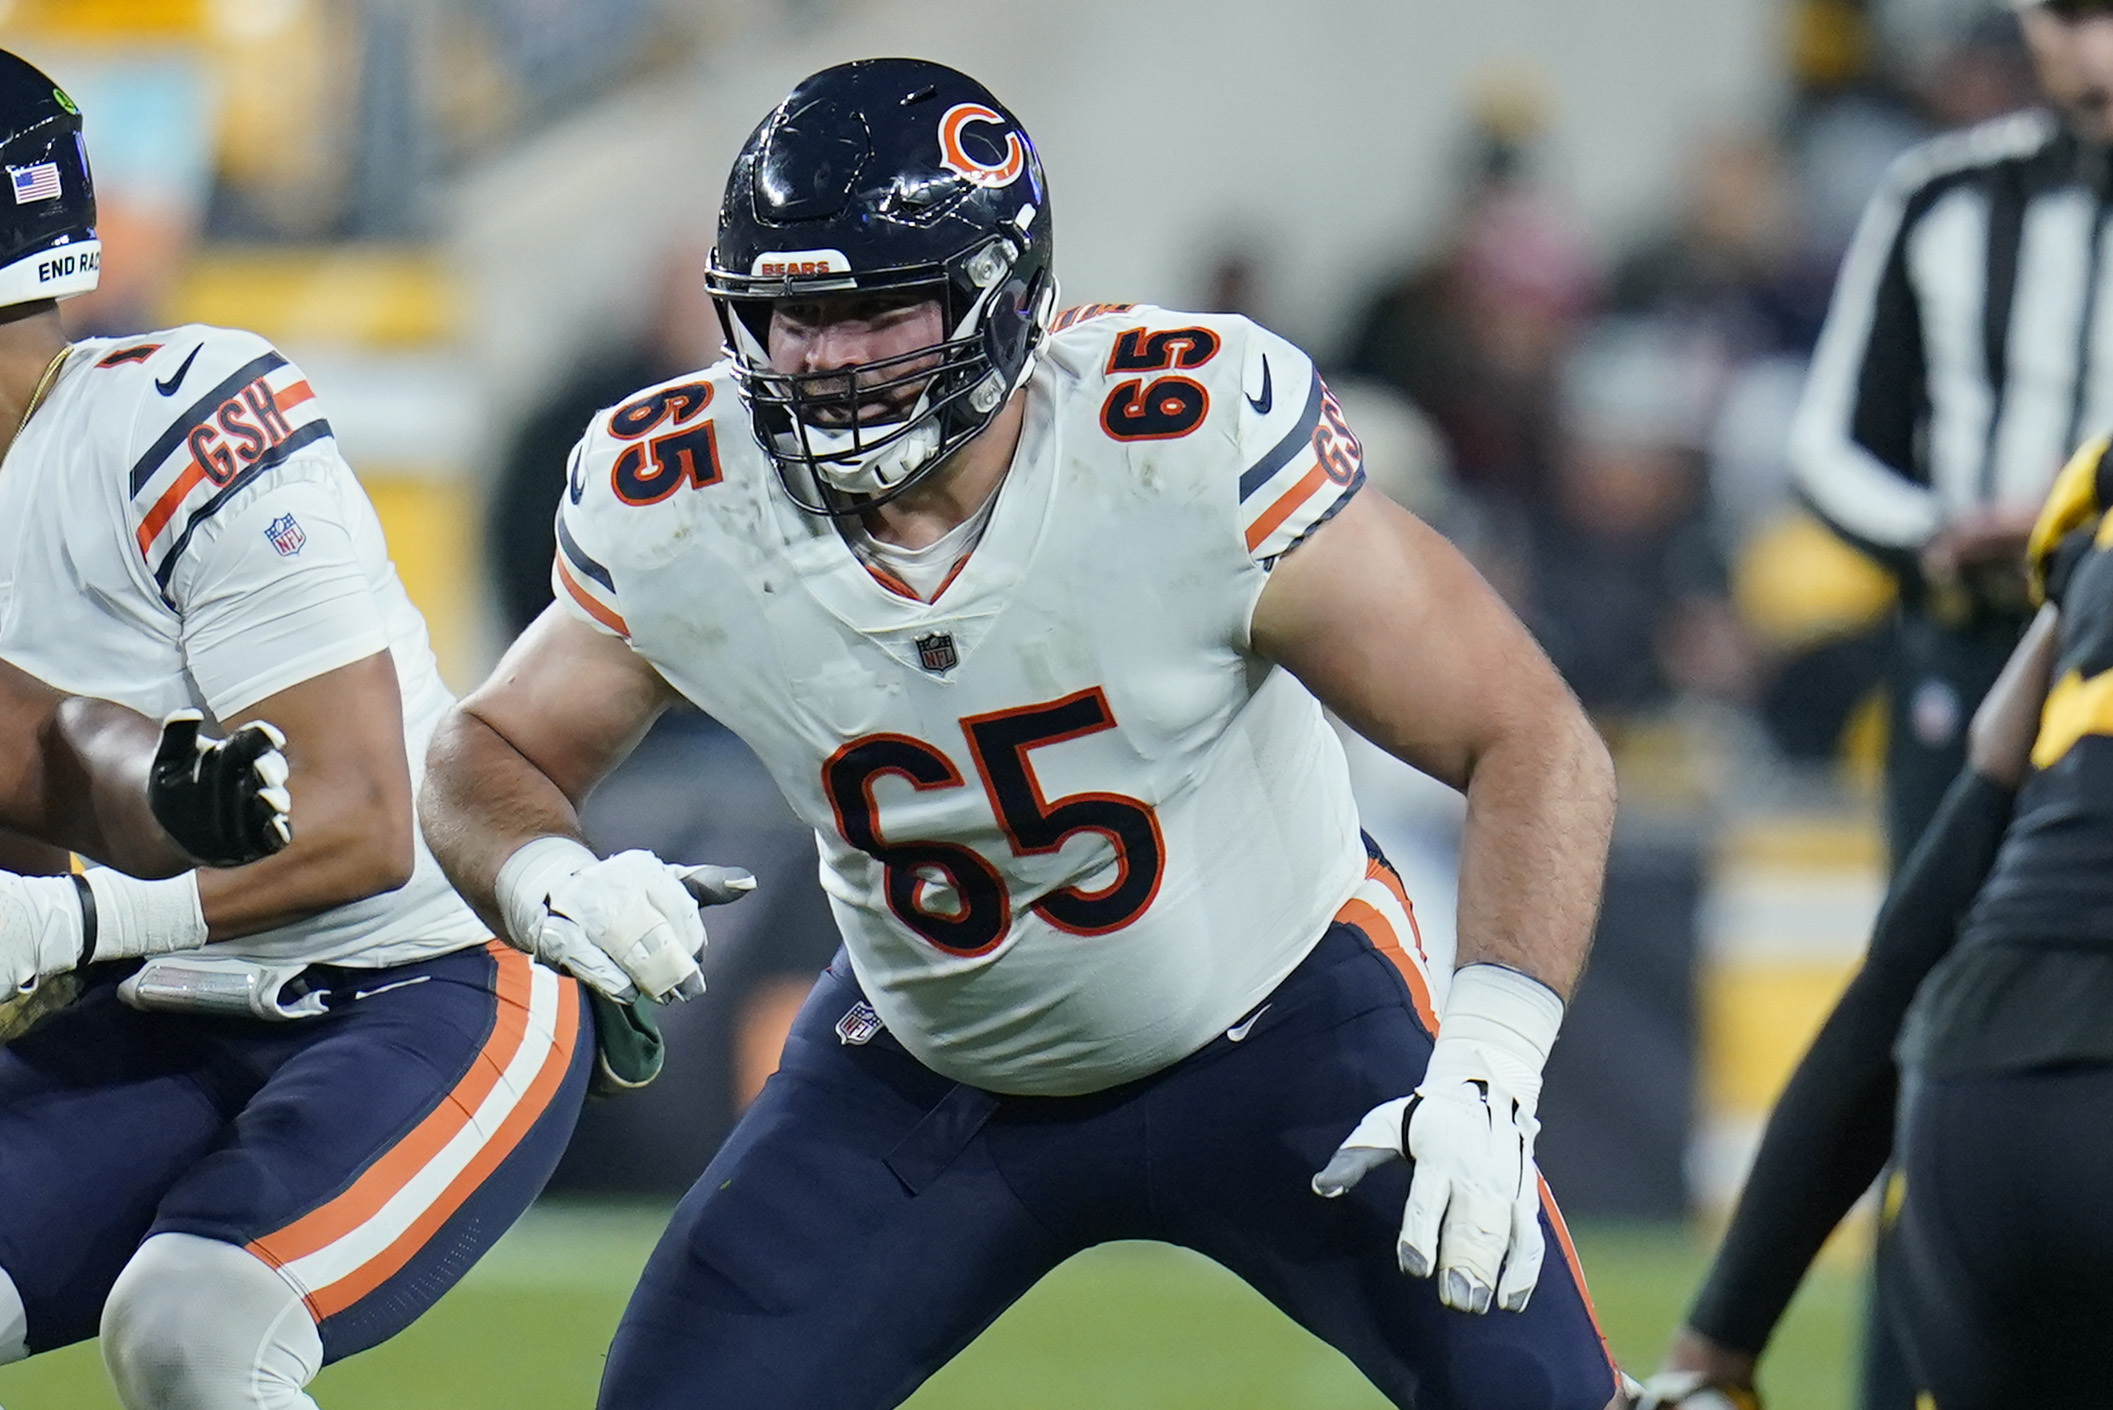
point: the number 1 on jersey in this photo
(1034, 826)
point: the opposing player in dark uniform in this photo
(1990, 980)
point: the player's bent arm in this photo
(515, 758)
(93, 758)
(26, 856)
(505, 776)
(96, 778)
(1390, 627)
(345, 743)
(1831, 1130)
(1999, 740)
(74, 776)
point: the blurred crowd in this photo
(1604, 430)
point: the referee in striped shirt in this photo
(1967, 351)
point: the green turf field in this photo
(1127, 1327)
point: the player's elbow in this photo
(388, 852)
(367, 848)
(1574, 749)
(1595, 766)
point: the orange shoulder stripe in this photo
(165, 508)
(586, 599)
(1267, 521)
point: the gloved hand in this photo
(1473, 1212)
(51, 924)
(224, 801)
(627, 924)
(41, 929)
(1701, 1373)
(1694, 1390)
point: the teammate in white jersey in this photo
(1032, 618)
(243, 1160)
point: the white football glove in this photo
(627, 924)
(1473, 1213)
(41, 930)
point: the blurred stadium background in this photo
(1564, 263)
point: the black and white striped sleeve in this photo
(1852, 444)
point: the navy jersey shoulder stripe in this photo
(1298, 438)
(314, 431)
(578, 556)
(143, 470)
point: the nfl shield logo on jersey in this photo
(936, 652)
(859, 1025)
(285, 535)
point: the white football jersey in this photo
(1071, 826)
(178, 529)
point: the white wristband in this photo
(134, 917)
(525, 879)
(1503, 1009)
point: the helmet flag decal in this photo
(954, 157)
(48, 247)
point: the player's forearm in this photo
(1540, 810)
(354, 841)
(482, 801)
(93, 758)
(77, 779)
(26, 856)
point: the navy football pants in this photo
(867, 1218)
(370, 1155)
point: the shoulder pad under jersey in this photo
(1220, 396)
(626, 479)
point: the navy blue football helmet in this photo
(878, 177)
(48, 247)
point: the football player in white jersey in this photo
(240, 1161)
(1032, 618)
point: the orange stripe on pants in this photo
(1577, 1271)
(379, 1182)
(337, 1296)
(1380, 931)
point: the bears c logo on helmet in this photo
(954, 157)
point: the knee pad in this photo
(197, 1324)
(14, 1322)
